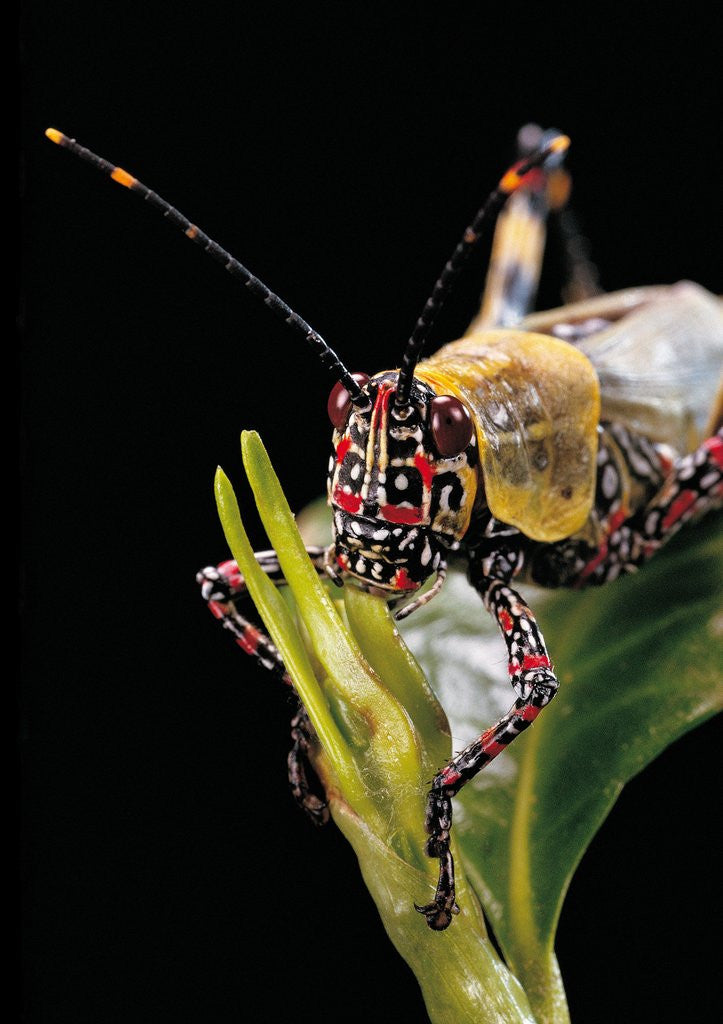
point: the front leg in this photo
(535, 684)
(221, 587)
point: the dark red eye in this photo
(340, 403)
(452, 426)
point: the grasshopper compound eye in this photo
(451, 424)
(340, 401)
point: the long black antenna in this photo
(509, 183)
(330, 360)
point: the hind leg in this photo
(519, 242)
(693, 487)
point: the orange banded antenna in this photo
(553, 146)
(330, 360)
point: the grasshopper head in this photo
(401, 482)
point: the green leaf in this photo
(640, 662)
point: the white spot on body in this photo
(401, 482)
(638, 463)
(408, 539)
(709, 479)
(609, 481)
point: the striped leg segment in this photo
(224, 582)
(519, 241)
(302, 734)
(692, 488)
(535, 684)
(221, 586)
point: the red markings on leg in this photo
(615, 522)
(679, 507)
(449, 775)
(505, 620)
(535, 661)
(529, 661)
(249, 640)
(489, 745)
(715, 447)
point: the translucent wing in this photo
(660, 366)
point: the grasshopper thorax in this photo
(402, 481)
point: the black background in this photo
(339, 153)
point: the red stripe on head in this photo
(395, 514)
(381, 402)
(426, 469)
(342, 448)
(349, 502)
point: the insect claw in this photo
(438, 918)
(316, 809)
